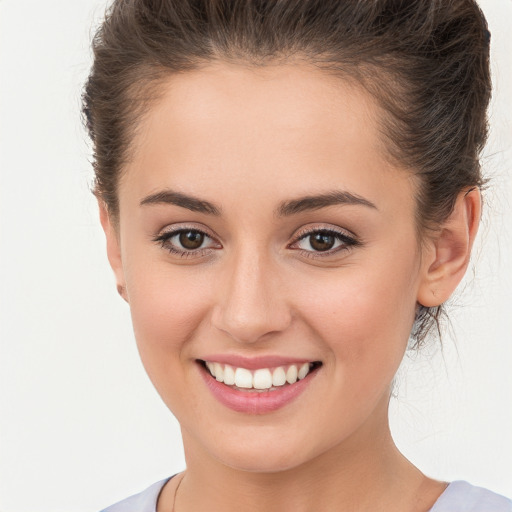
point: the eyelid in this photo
(322, 227)
(165, 235)
(186, 226)
(348, 241)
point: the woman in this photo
(290, 191)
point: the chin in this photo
(261, 461)
(263, 450)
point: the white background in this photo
(80, 425)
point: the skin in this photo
(249, 140)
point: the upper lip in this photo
(254, 363)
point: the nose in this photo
(251, 301)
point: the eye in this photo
(186, 242)
(323, 242)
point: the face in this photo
(262, 227)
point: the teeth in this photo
(229, 375)
(279, 377)
(243, 378)
(219, 372)
(303, 371)
(291, 374)
(261, 379)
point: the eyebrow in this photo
(191, 203)
(315, 202)
(285, 209)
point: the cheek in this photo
(162, 310)
(364, 316)
(167, 307)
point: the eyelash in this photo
(347, 241)
(164, 241)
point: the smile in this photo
(262, 379)
(258, 390)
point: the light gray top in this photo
(459, 496)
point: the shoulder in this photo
(461, 496)
(144, 501)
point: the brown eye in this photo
(191, 239)
(189, 243)
(322, 241)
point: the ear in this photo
(113, 248)
(447, 257)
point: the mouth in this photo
(261, 379)
(257, 390)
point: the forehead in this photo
(272, 129)
(238, 104)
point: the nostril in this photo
(250, 311)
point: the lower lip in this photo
(255, 402)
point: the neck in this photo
(365, 472)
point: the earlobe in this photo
(450, 250)
(113, 248)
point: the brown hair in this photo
(426, 62)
